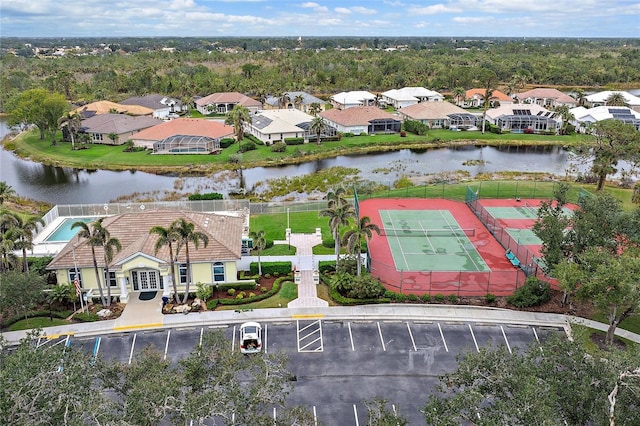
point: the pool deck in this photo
(42, 247)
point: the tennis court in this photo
(430, 240)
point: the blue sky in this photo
(216, 18)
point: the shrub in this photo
(328, 242)
(226, 142)
(240, 295)
(490, 298)
(263, 289)
(439, 297)
(294, 141)
(279, 147)
(207, 196)
(326, 266)
(247, 146)
(452, 298)
(415, 126)
(399, 297)
(533, 293)
(276, 288)
(403, 134)
(282, 268)
(204, 291)
(347, 135)
(231, 291)
(426, 298)
(412, 297)
(86, 317)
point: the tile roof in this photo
(353, 97)
(357, 115)
(547, 93)
(496, 94)
(228, 98)
(132, 229)
(602, 97)
(187, 127)
(431, 110)
(117, 123)
(509, 109)
(154, 101)
(105, 107)
(280, 120)
(308, 99)
(411, 93)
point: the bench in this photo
(512, 258)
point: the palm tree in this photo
(580, 96)
(6, 192)
(72, 121)
(458, 93)
(168, 237)
(23, 231)
(339, 211)
(237, 117)
(187, 234)
(109, 246)
(616, 99)
(259, 243)
(315, 108)
(353, 238)
(283, 100)
(566, 115)
(98, 236)
(318, 125)
(298, 100)
(8, 259)
(486, 102)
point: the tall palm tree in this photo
(318, 125)
(353, 238)
(237, 117)
(259, 243)
(72, 121)
(97, 235)
(315, 108)
(580, 96)
(298, 100)
(6, 192)
(187, 234)
(616, 99)
(23, 230)
(8, 259)
(340, 212)
(168, 237)
(458, 94)
(486, 103)
(109, 246)
(566, 115)
(283, 100)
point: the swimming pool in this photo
(64, 233)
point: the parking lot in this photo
(339, 364)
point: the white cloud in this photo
(469, 19)
(434, 9)
(364, 10)
(342, 10)
(309, 5)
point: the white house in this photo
(600, 99)
(524, 118)
(362, 120)
(344, 100)
(585, 116)
(548, 98)
(407, 96)
(276, 125)
(224, 102)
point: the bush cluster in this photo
(294, 141)
(207, 196)
(279, 147)
(273, 268)
(247, 146)
(417, 127)
(226, 142)
(534, 292)
(211, 304)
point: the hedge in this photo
(207, 196)
(226, 142)
(86, 317)
(273, 268)
(238, 286)
(211, 304)
(253, 139)
(326, 266)
(294, 141)
(247, 146)
(347, 301)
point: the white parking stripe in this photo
(201, 335)
(315, 416)
(274, 415)
(264, 343)
(384, 348)
(413, 342)
(133, 345)
(537, 340)
(353, 349)
(166, 345)
(355, 414)
(233, 341)
(505, 339)
(443, 341)
(474, 338)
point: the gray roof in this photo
(308, 99)
(117, 123)
(151, 101)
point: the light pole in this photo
(288, 229)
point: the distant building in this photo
(344, 100)
(362, 120)
(276, 125)
(163, 107)
(107, 107)
(437, 115)
(585, 116)
(115, 129)
(524, 118)
(222, 103)
(600, 99)
(184, 136)
(548, 98)
(407, 96)
(273, 102)
(474, 98)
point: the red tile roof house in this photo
(224, 102)
(361, 120)
(184, 136)
(548, 98)
(123, 126)
(474, 98)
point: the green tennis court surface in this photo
(524, 211)
(525, 237)
(430, 240)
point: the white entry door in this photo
(145, 280)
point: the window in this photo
(96, 136)
(72, 276)
(182, 272)
(218, 272)
(111, 279)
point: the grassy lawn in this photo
(581, 334)
(275, 224)
(631, 323)
(277, 250)
(287, 293)
(38, 322)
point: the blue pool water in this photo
(64, 233)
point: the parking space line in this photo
(166, 345)
(264, 343)
(474, 338)
(315, 416)
(201, 335)
(96, 349)
(355, 414)
(536, 336)
(353, 349)
(384, 348)
(505, 339)
(233, 341)
(308, 338)
(133, 345)
(443, 341)
(274, 415)
(413, 342)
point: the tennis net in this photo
(420, 232)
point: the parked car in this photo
(250, 338)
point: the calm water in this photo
(61, 185)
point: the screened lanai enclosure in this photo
(463, 120)
(186, 144)
(522, 121)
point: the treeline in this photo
(272, 66)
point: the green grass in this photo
(631, 323)
(287, 293)
(278, 250)
(582, 335)
(38, 322)
(275, 224)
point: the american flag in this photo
(76, 283)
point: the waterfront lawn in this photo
(275, 224)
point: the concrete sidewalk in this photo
(392, 312)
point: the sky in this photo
(366, 18)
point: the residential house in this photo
(586, 116)
(108, 107)
(137, 267)
(115, 129)
(474, 98)
(184, 136)
(362, 120)
(306, 100)
(600, 99)
(276, 125)
(548, 98)
(436, 115)
(524, 118)
(163, 107)
(345, 100)
(224, 102)
(407, 96)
